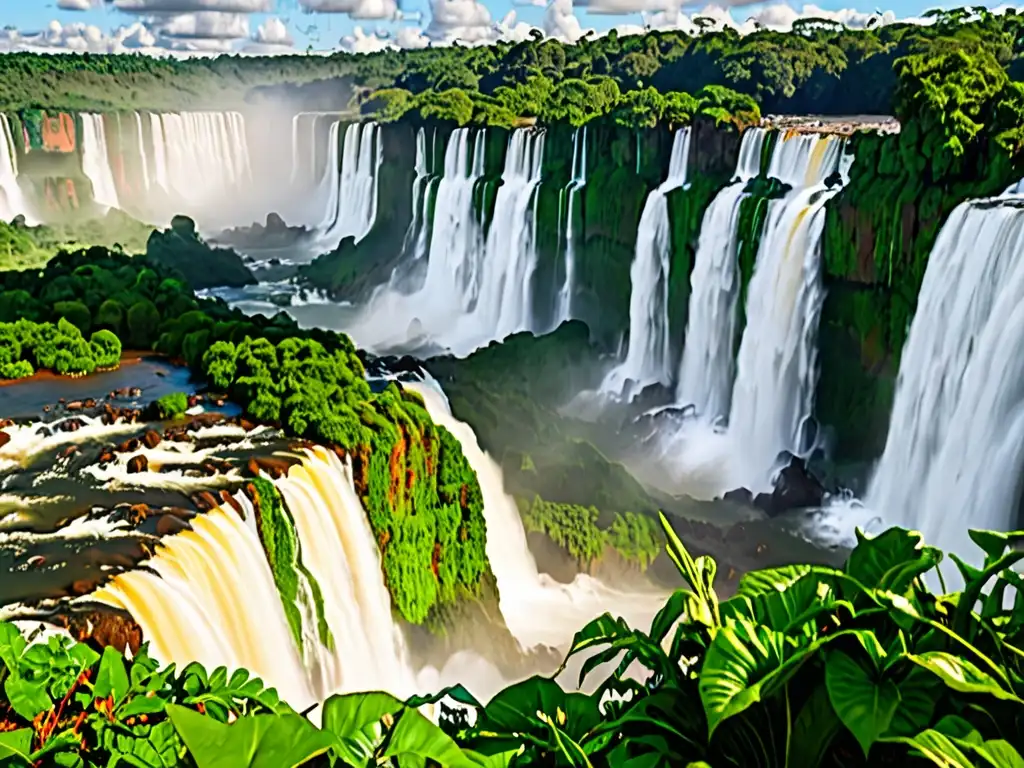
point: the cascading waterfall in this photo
(352, 199)
(570, 194)
(707, 367)
(955, 448)
(209, 595)
(537, 609)
(776, 368)
(648, 357)
(504, 298)
(96, 161)
(12, 201)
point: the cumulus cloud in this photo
(466, 20)
(561, 22)
(78, 5)
(273, 32)
(356, 9)
(204, 25)
(362, 42)
(192, 6)
(411, 37)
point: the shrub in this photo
(173, 405)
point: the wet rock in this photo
(137, 514)
(275, 467)
(135, 392)
(71, 425)
(205, 501)
(4, 423)
(129, 446)
(739, 496)
(46, 409)
(75, 405)
(168, 525)
(228, 499)
(68, 452)
(151, 439)
(795, 488)
(4, 439)
(100, 627)
(107, 456)
(137, 464)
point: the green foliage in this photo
(59, 347)
(805, 665)
(576, 529)
(172, 406)
(298, 588)
(75, 312)
(180, 248)
(143, 324)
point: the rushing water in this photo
(648, 357)
(571, 196)
(707, 368)
(955, 450)
(12, 199)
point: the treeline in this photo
(820, 67)
(420, 493)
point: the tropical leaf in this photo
(699, 574)
(919, 691)
(892, 560)
(785, 598)
(413, 735)
(936, 748)
(16, 746)
(27, 698)
(255, 741)
(865, 704)
(961, 675)
(111, 678)
(813, 730)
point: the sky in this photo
(196, 27)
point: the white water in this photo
(12, 200)
(351, 195)
(708, 366)
(96, 161)
(213, 599)
(955, 449)
(537, 609)
(571, 193)
(648, 357)
(479, 278)
(776, 367)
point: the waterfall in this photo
(576, 184)
(352, 200)
(12, 200)
(648, 356)
(537, 609)
(504, 301)
(955, 450)
(707, 367)
(209, 595)
(776, 368)
(96, 161)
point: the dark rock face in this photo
(4, 439)
(137, 464)
(181, 248)
(796, 487)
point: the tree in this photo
(143, 323)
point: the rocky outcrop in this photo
(180, 248)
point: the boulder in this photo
(151, 438)
(137, 464)
(795, 487)
(4, 439)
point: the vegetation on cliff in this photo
(180, 248)
(25, 247)
(420, 493)
(806, 665)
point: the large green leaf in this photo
(937, 748)
(356, 720)
(12, 645)
(961, 675)
(413, 735)
(27, 698)
(815, 727)
(513, 709)
(699, 574)
(892, 560)
(15, 747)
(865, 703)
(256, 741)
(784, 598)
(999, 754)
(742, 655)
(919, 691)
(111, 678)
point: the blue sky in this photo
(326, 30)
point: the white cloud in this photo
(466, 20)
(361, 42)
(411, 37)
(78, 5)
(191, 6)
(273, 32)
(204, 25)
(356, 9)
(561, 22)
